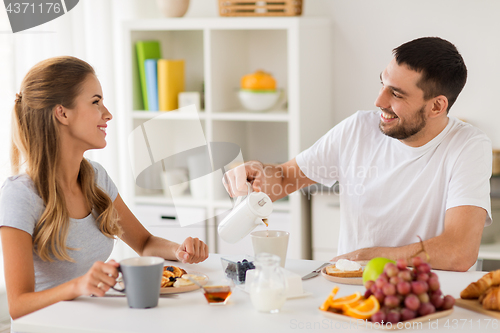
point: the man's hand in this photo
(235, 180)
(358, 255)
(277, 181)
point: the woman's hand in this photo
(99, 278)
(192, 251)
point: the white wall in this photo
(365, 32)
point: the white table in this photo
(189, 312)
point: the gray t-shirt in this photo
(21, 207)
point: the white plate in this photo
(168, 290)
(361, 323)
(176, 290)
(344, 280)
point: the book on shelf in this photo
(146, 49)
(150, 67)
(170, 83)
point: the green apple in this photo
(374, 268)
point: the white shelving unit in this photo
(217, 53)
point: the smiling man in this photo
(405, 170)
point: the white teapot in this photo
(245, 216)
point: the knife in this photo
(315, 272)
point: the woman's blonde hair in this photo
(36, 145)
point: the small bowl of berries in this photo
(236, 267)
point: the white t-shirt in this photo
(391, 192)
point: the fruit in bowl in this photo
(258, 91)
(259, 80)
(258, 100)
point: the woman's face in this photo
(87, 120)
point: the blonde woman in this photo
(60, 216)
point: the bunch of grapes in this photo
(405, 293)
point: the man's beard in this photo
(402, 132)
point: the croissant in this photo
(475, 289)
(492, 299)
(483, 295)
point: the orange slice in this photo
(352, 305)
(364, 310)
(329, 299)
(346, 300)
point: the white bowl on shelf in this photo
(259, 100)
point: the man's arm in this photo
(277, 181)
(455, 249)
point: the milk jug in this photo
(268, 287)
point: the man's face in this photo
(404, 110)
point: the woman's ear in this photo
(439, 105)
(61, 114)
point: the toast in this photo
(334, 271)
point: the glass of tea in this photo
(217, 292)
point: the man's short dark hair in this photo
(442, 67)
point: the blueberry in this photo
(172, 279)
(231, 270)
(244, 260)
(170, 269)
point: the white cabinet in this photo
(325, 215)
(217, 53)
(162, 221)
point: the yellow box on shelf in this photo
(170, 83)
